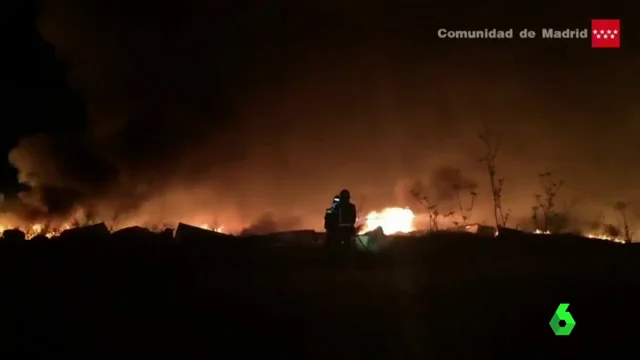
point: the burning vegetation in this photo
(127, 141)
(446, 202)
(391, 220)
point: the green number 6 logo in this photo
(562, 315)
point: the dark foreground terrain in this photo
(439, 297)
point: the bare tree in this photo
(544, 214)
(622, 207)
(464, 212)
(491, 140)
(432, 208)
(434, 216)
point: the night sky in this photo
(233, 109)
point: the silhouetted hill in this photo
(444, 296)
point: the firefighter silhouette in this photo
(340, 220)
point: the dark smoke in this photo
(268, 224)
(447, 181)
(61, 171)
(217, 111)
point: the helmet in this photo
(345, 194)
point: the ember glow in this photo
(219, 229)
(32, 230)
(392, 221)
(605, 237)
(600, 236)
(36, 229)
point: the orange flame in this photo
(392, 220)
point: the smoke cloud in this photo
(447, 181)
(200, 112)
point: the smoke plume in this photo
(199, 111)
(447, 181)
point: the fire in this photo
(36, 229)
(216, 229)
(600, 236)
(604, 237)
(33, 230)
(392, 221)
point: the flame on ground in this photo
(36, 229)
(538, 231)
(605, 237)
(392, 220)
(31, 231)
(600, 236)
(207, 227)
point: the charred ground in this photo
(444, 295)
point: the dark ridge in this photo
(440, 296)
